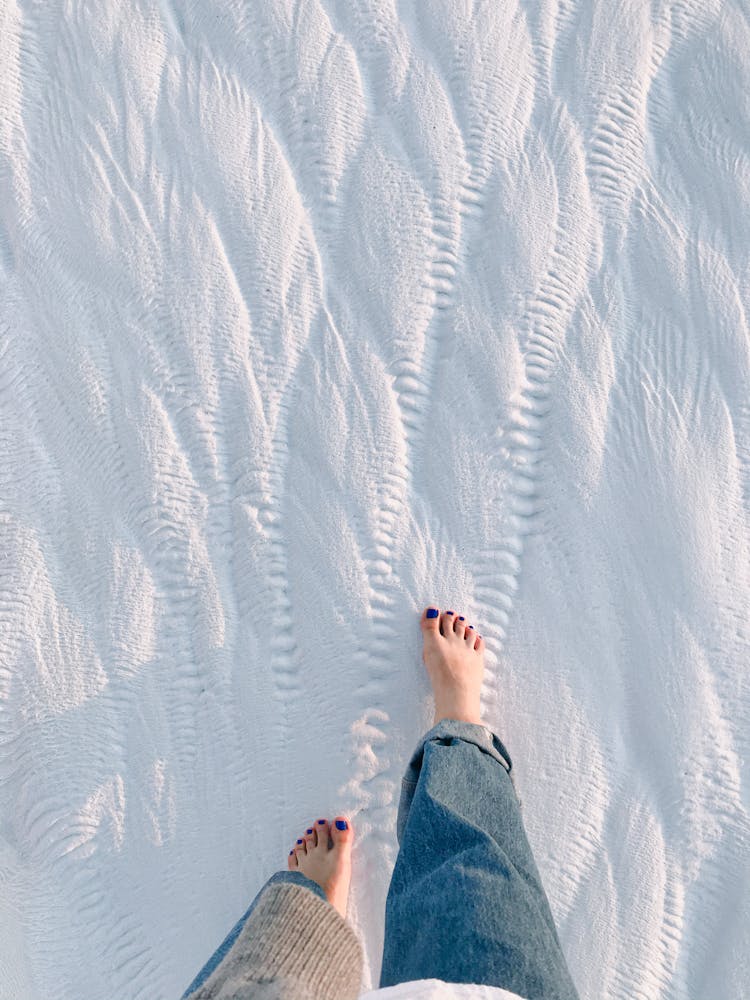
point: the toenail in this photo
(449, 612)
(292, 851)
(461, 618)
(341, 824)
(321, 821)
(310, 830)
(432, 612)
(471, 626)
(300, 841)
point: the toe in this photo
(309, 838)
(341, 832)
(478, 643)
(459, 626)
(322, 832)
(447, 621)
(431, 619)
(300, 847)
(291, 861)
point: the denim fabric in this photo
(466, 903)
(296, 877)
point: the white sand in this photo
(311, 314)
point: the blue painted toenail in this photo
(449, 612)
(471, 626)
(291, 852)
(432, 612)
(461, 618)
(341, 824)
(300, 841)
(310, 830)
(321, 821)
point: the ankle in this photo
(472, 717)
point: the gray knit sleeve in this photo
(294, 946)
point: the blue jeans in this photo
(466, 903)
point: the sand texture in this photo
(312, 314)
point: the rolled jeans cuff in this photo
(471, 732)
(447, 730)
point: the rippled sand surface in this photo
(312, 314)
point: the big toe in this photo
(342, 834)
(431, 619)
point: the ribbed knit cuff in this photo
(293, 946)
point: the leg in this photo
(296, 878)
(295, 939)
(466, 903)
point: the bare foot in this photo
(454, 656)
(324, 854)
